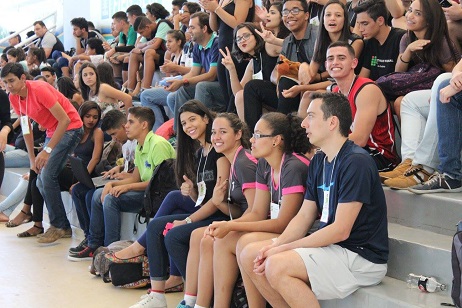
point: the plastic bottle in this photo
(424, 284)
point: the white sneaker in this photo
(152, 300)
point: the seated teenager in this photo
(350, 248)
(280, 178)
(126, 195)
(333, 27)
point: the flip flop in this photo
(11, 224)
(174, 289)
(27, 234)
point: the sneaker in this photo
(152, 300)
(67, 232)
(399, 170)
(83, 244)
(413, 176)
(86, 254)
(182, 304)
(52, 234)
(437, 183)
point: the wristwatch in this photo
(188, 220)
(185, 82)
(48, 150)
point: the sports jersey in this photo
(242, 176)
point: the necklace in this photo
(351, 86)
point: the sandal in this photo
(11, 224)
(27, 234)
(174, 289)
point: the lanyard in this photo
(205, 163)
(327, 187)
(279, 182)
(19, 103)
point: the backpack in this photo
(418, 77)
(162, 182)
(130, 273)
(100, 264)
(456, 258)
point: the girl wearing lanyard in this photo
(248, 44)
(281, 179)
(230, 137)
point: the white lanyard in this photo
(205, 163)
(24, 119)
(326, 190)
(274, 207)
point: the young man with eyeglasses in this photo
(297, 47)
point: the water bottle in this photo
(425, 284)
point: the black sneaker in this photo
(86, 254)
(83, 244)
(437, 183)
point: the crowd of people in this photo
(277, 119)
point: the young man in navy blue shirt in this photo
(350, 249)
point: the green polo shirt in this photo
(154, 151)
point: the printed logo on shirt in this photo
(147, 165)
(374, 61)
(208, 176)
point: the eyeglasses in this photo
(294, 11)
(244, 37)
(258, 136)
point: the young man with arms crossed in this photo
(350, 248)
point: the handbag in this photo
(418, 77)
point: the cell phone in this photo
(445, 3)
(168, 227)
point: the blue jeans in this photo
(47, 180)
(449, 120)
(60, 62)
(8, 205)
(81, 196)
(175, 244)
(174, 203)
(16, 158)
(105, 216)
(207, 92)
(156, 99)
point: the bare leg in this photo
(133, 66)
(125, 73)
(205, 277)
(66, 71)
(239, 102)
(287, 275)
(21, 217)
(226, 269)
(455, 32)
(131, 251)
(192, 264)
(150, 56)
(173, 281)
(245, 258)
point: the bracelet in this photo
(401, 58)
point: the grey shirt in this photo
(290, 45)
(47, 41)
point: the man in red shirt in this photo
(39, 101)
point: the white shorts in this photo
(336, 272)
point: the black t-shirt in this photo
(207, 173)
(381, 60)
(352, 177)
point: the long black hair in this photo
(260, 43)
(84, 89)
(237, 125)
(323, 40)
(186, 147)
(66, 87)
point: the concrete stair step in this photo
(391, 293)
(439, 212)
(419, 252)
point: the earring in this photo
(274, 144)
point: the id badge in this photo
(25, 125)
(188, 62)
(202, 189)
(258, 75)
(274, 209)
(325, 207)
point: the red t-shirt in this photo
(41, 96)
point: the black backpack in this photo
(162, 182)
(456, 292)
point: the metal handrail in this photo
(32, 38)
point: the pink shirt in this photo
(41, 96)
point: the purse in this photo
(418, 77)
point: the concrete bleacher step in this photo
(419, 252)
(439, 212)
(390, 293)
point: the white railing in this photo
(51, 19)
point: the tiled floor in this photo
(38, 275)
